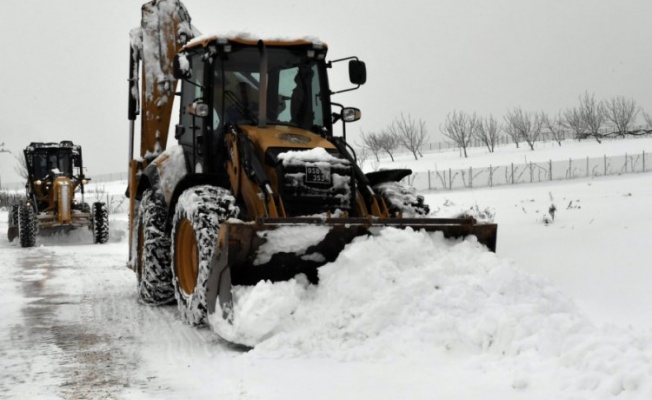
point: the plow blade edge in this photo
(277, 249)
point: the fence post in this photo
(550, 169)
(491, 176)
(643, 160)
(587, 166)
(512, 173)
(531, 173)
(605, 165)
(429, 187)
(570, 168)
(626, 159)
(470, 177)
(450, 179)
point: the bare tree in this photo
(460, 128)
(527, 125)
(621, 112)
(371, 141)
(572, 119)
(555, 126)
(512, 132)
(21, 168)
(488, 132)
(648, 119)
(388, 142)
(411, 134)
(593, 113)
(362, 156)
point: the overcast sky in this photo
(64, 63)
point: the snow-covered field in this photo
(561, 311)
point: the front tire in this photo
(198, 215)
(12, 233)
(100, 223)
(152, 262)
(26, 226)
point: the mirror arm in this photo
(345, 90)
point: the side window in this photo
(40, 165)
(191, 90)
(240, 95)
(299, 93)
(286, 85)
(318, 117)
(64, 162)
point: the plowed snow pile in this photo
(405, 294)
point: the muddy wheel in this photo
(196, 224)
(26, 226)
(401, 198)
(152, 261)
(100, 223)
(12, 233)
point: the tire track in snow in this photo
(57, 344)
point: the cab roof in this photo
(251, 40)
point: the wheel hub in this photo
(186, 257)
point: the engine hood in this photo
(275, 136)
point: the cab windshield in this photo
(52, 161)
(294, 88)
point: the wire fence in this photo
(113, 177)
(512, 174)
(532, 172)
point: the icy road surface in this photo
(72, 328)
(400, 315)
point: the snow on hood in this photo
(317, 154)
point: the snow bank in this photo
(405, 294)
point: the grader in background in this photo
(54, 177)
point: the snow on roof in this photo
(250, 38)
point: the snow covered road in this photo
(72, 328)
(398, 315)
(61, 335)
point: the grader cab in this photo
(55, 195)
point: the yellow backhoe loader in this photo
(257, 162)
(54, 177)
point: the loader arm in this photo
(165, 28)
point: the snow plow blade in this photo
(243, 254)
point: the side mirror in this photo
(181, 68)
(357, 72)
(351, 114)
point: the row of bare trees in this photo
(587, 120)
(404, 132)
